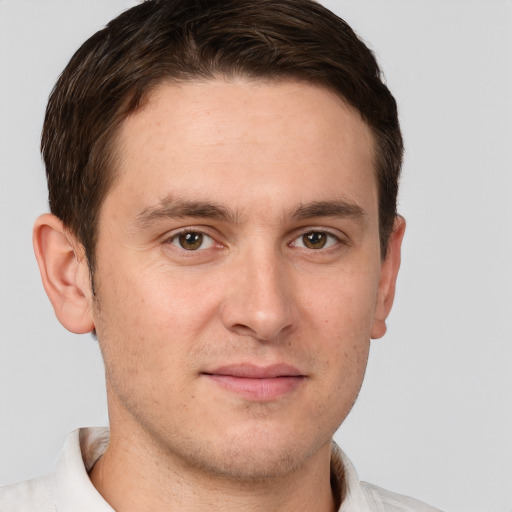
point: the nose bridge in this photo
(260, 303)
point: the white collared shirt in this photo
(69, 489)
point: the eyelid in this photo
(173, 236)
(339, 237)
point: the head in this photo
(113, 73)
(226, 171)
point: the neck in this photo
(135, 474)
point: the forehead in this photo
(239, 140)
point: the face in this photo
(238, 273)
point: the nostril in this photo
(244, 330)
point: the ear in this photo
(388, 275)
(64, 272)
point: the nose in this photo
(260, 301)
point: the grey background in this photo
(434, 419)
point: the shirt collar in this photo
(345, 482)
(74, 491)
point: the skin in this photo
(253, 168)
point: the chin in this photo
(254, 458)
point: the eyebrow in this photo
(175, 208)
(339, 208)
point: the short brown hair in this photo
(180, 40)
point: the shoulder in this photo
(30, 496)
(387, 501)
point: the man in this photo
(222, 179)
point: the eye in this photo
(315, 240)
(192, 240)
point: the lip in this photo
(257, 383)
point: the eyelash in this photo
(175, 240)
(331, 240)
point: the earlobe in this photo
(387, 284)
(64, 273)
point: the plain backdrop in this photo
(434, 418)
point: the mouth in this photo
(257, 383)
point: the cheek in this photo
(341, 318)
(142, 328)
(344, 305)
(147, 318)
